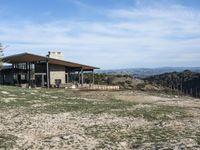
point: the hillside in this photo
(146, 72)
(185, 82)
(65, 119)
(124, 81)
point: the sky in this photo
(109, 34)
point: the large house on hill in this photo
(42, 71)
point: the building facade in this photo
(42, 71)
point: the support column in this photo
(68, 77)
(48, 85)
(29, 73)
(34, 82)
(74, 74)
(26, 72)
(92, 76)
(13, 72)
(79, 79)
(82, 78)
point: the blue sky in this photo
(105, 33)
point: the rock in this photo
(181, 147)
(123, 144)
(65, 137)
(55, 139)
(4, 92)
(150, 87)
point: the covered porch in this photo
(38, 71)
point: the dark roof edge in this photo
(7, 57)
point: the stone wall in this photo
(100, 87)
(57, 73)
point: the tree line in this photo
(181, 83)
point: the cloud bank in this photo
(142, 36)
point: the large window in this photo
(21, 66)
(40, 68)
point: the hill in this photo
(124, 81)
(145, 72)
(186, 82)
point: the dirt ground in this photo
(64, 119)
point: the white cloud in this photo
(132, 38)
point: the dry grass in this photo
(64, 119)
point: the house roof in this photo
(28, 57)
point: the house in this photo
(42, 71)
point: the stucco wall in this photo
(57, 72)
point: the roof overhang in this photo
(27, 57)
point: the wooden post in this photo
(48, 85)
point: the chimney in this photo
(56, 55)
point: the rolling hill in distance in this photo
(145, 72)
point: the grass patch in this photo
(28, 97)
(7, 141)
(135, 138)
(198, 138)
(55, 101)
(119, 108)
(59, 101)
(92, 107)
(155, 112)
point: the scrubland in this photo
(72, 119)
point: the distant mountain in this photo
(145, 72)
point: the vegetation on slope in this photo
(124, 81)
(185, 82)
